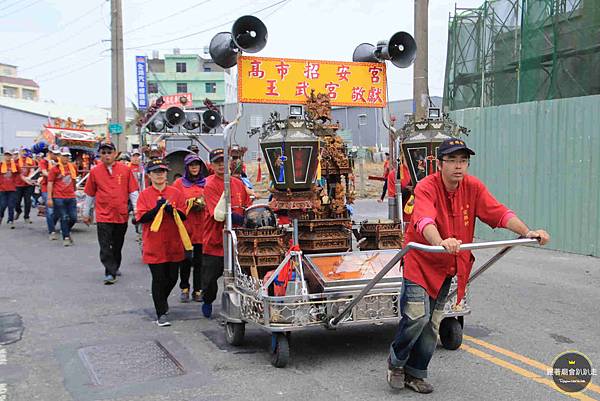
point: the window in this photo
(207, 69)
(180, 67)
(181, 87)
(211, 87)
(28, 94)
(152, 87)
(9, 91)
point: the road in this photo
(82, 340)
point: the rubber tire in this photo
(451, 333)
(280, 350)
(234, 333)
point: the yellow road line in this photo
(524, 372)
(520, 358)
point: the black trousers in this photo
(24, 193)
(164, 278)
(111, 237)
(187, 267)
(212, 269)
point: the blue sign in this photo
(115, 128)
(140, 66)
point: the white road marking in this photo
(3, 392)
(3, 358)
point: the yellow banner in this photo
(289, 81)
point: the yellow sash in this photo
(28, 162)
(185, 238)
(408, 208)
(71, 169)
(4, 168)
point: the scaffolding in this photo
(512, 51)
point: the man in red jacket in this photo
(446, 206)
(212, 249)
(25, 164)
(110, 185)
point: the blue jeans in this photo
(66, 211)
(417, 334)
(8, 199)
(51, 218)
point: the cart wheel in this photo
(234, 333)
(280, 350)
(451, 333)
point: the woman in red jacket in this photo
(192, 187)
(8, 194)
(161, 210)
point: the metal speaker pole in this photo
(365, 52)
(249, 34)
(401, 50)
(210, 119)
(223, 50)
(174, 116)
(193, 121)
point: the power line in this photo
(11, 5)
(20, 9)
(167, 17)
(149, 45)
(51, 78)
(60, 28)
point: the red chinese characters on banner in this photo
(375, 74)
(282, 69)
(343, 71)
(271, 88)
(311, 70)
(358, 94)
(301, 88)
(374, 95)
(255, 71)
(331, 89)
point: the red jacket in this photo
(454, 215)
(64, 185)
(213, 230)
(195, 219)
(111, 191)
(164, 245)
(25, 165)
(7, 180)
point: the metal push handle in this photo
(507, 244)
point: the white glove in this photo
(220, 211)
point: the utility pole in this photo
(420, 71)
(117, 73)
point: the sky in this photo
(64, 45)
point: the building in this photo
(13, 86)
(189, 73)
(22, 121)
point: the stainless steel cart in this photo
(247, 300)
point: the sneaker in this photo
(28, 221)
(109, 279)
(207, 310)
(163, 321)
(67, 241)
(53, 236)
(395, 376)
(417, 385)
(185, 296)
(197, 296)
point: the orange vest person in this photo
(192, 186)
(8, 195)
(61, 194)
(25, 188)
(161, 209)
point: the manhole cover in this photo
(129, 363)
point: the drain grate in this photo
(11, 328)
(128, 363)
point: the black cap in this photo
(216, 154)
(451, 145)
(157, 164)
(106, 144)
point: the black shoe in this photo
(109, 279)
(163, 321)
(395, 376)
(417, 385)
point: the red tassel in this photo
(258, 172)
